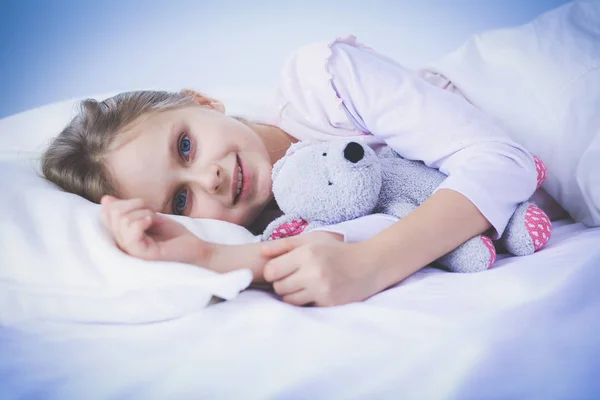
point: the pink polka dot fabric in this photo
(288, 229)
(540, 167)
(490, 245)
(539, 226)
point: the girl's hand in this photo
(320, 270)
(143, 233)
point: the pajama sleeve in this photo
(424, 122)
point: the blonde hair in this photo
(75, 159)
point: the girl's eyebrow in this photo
(173, 159)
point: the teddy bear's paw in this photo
(528, 231)
(542, 173)
(287, 229)
(475, 255)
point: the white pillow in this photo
(58, 262)
(542, 82)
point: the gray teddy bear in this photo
(324, 183)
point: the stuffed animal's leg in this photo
(528, 230)
(475, 255)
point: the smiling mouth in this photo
(240, 181)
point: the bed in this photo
(526, 329)
(81, 320)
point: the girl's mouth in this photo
(240, 180)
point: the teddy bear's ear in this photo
(290, 151)
(296, 146)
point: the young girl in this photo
(145, 153)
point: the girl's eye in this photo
(180, 202)
(185, 146)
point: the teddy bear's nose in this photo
(354, 152)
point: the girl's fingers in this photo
(135, 215)
(136, 228)
(299, 298)
(125, 206)
(144, 246)
(130, 221)
(279, 268)
(114, 210)
(136, 242)
(107, 199)
(130, 230)
(278, 247)
(288, 285)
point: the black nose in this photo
(354, 152)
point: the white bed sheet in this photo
(529, 328)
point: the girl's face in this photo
(194, 161)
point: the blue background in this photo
(56, 50)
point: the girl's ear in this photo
(204, 101)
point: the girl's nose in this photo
(212, 179)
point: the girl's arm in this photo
(424, 122)
(384, 102)
(226, 258)
(143, 233)
(442, 223)
(328, 274)
(393, 254)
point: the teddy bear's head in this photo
(327, 182)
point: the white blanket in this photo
(526, 329)
(541, 82)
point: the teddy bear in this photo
(325, 183)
